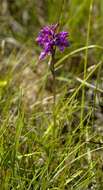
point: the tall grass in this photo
(30, 156)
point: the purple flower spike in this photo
(49, 39)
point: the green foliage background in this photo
(33, 155)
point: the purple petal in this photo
(61, 48)
(42, 55)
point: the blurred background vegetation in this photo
(21, 20)
(26, 93)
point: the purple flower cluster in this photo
(49, 39)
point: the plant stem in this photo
(52, 68)
(89, 156)
(54, 97)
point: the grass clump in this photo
(33, 153)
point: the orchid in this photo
(49, 38)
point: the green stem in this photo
(89, 156)
(85, 64)
(52, 68)
(54, 98)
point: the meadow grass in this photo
(35, 155)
